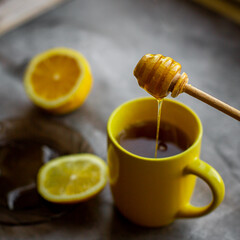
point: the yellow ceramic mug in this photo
(154, 192)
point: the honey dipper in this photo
(159, 75)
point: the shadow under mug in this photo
(156, 191)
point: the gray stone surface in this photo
(113, 35)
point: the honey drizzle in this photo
(159, 101)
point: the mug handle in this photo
(214, 181)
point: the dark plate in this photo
(54, 134)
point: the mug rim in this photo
(196, 141)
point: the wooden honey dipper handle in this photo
(159, 75)
(212, 101)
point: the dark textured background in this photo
(113, 35)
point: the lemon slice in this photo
(58, 80)
(73, 178)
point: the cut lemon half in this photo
(73, 178)
(58, 80)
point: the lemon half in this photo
(58, 80)
(73, 178)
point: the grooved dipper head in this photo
(159, 75)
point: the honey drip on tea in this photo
(159, 101)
